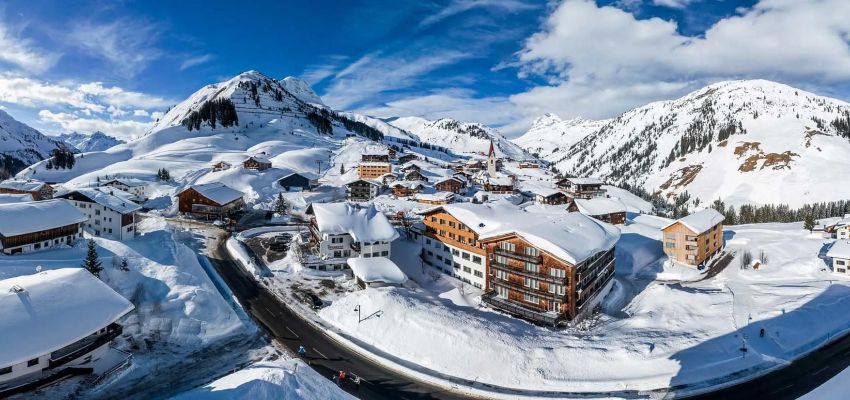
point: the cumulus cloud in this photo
(601, 60)
(124, 129)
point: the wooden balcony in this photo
(542, 277)
(84, 346)
(518, 256)
(520, 310)
(525, 289)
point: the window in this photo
(451, 224)
(442, 221)
(479, 274)
(560, 290)
(385, 253)
(476, 259)
(532, 283)
(376, 254)
(32, 362)
(478, 285)
(464, 255)
(502, 260)
(442, 232)
(502, 291)
(840, 262)
(532, 251)
(337, 254)
(461, 239)
(507, 246)
(427, 241)
(451, 235)
(346, 253)
(5, 370)
(556, 306)
(671, 236)
(447, 262)
(557, 273)
(502, 275)
(440, 258)
(446, 248)
(96, 212)
(532, 267)
(367, 255)
(455, 252)
(433, 219)
(530, 298)
(461, 226)
(670, 245)
(467, 269)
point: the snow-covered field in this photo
(684, 334)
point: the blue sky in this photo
(114, 66)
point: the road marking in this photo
(270, 311)
(320, 353)
(783, 388)
(820, 370)
(290, 331)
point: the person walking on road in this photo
(301, 351)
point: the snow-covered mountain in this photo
(460, 137)
(21, 145)
(301, 89)
(549, 134)
(85, 143)
(750, 141)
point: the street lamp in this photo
(376, 314)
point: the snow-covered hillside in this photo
(550, 135)
(21, 145)
(741, 141)
(97, 141)
(460, 137)
(300, 89)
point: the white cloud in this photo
(194, 61)
(600, 61)
(458, 104)
(157, 115)
(460, 6)
(124, 129)
(127, 44)
(22, 53)
(122, 98)
(376, 73)
(140, 113)
(672, 3)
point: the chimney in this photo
(16, 289)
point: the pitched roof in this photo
(217, 192)
(599, 206)
(308, 175)
(259, 159)
(131, 182)
(839, 249)
(364, 224)
(22, 185)
(585, 181)
(376, 269)
(20, 218)
(6, 198)
(699, 221)
(56, 308)
(107, 200)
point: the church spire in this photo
(492, 152)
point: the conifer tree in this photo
(92, 263)
(280, 204)
(809, 223)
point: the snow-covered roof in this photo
(22, 185)
(369, 181)
(374, 163)
(839, 249)
(700, 221)
(571, 237)
(6, 198)
(600, 206)
(450, 178)
(20, 218)
(546, 191)
(259, 159)
(107, 200)
(408, 184)
(112, 191)
(56, 308)
(376, 269)
(130, 182)
(585, 181)
(217, 192)
(309, 175)
(364, 224)
(500, 180)
(439, 196)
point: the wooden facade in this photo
(62, 235)
(361, 190)
(449, 185)
(693, 248)
(405, 190)
(614, 218)
(581, 190)
(415, 176)
(556, 198)
(192, 202)
(256, 164)
(375, 158)
(406, 158)
(45, 192)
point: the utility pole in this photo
(319, 164)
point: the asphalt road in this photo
(327, 357)
(323, 354)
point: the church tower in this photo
(491, 161)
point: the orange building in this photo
(693, 239)
(371, 170)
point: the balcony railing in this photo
(84, 346)
(605, 278)
(525, 289)
(535, 315)
(534, 275)
(518, 256)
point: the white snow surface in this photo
(267, 380)
(701, 221)
(461, 137)
(20, 218)
(364, 224)
(112, 202)
(550, 135)
(97, 141)
(6, 198)
(376, 269)
(839, 249)
(599, 206)
(53, 309)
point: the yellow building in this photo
(373, 169)
(693, 239)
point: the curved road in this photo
(326, 356)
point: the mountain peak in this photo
(301, 89)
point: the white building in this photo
(840, 255)
(39, 225)
(843, 232)
(136, 187)
(109, 216)
(55, 320)
(344, 230)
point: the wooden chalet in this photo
(29, 227)
(373, 169)
(299, 180)
(405, 158)
(693, 239)
(451, 185)
(257, 163)
(608, 210)
(210, 199)
(221, 166)
(375, 157)
(406, 188)
(551, 197)
(582, 188)
(415, 175)
(362, 190)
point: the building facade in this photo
(339, 231)
(38, 190)
(362, 190)
(693, 239)
(582, 188)
(211, 199)
(30, 227)
(108, 216)
(453, 185)
(371, 170)
(136, 187)
(454, 248)
(256, 163)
